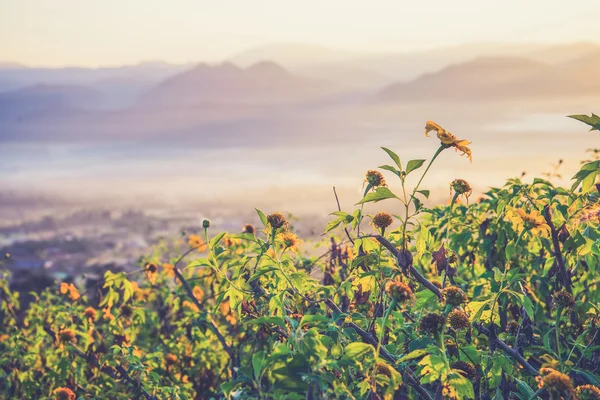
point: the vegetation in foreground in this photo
(492, 299)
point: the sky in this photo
(116, 32)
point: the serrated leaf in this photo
(593, 120)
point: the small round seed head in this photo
(587, 392)
(126, 311)
(382, 220)
(458, 320)
(206, 224)
(89, 313)
(399, 291)
(454, 295)
(63, 393)
(382, 368)
(468, 368)
(432, 323)
(460, 186)
(564, 299)
(276, 220)
(558, 383)
(248, 228)
(375, 179)
(66, 335)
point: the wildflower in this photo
(248, 228)
(533, 221)
(107, 314)
(558, 384)
(169, 269)
(382, 220)
(399, 291)
(469, 369)
(70, 289)
(448, 140)
(384, 369)
(151, 270)
(190, 305)
(587, 392)
(432, 323)
(63, 393)
(197, 243)
(458, 320)
(89, 313)
(290, 241)
(461, 188)
(563, 299)
(454, 295)
(375, 179)
(198, 293)
(66, 335)
(276, 220)
(126, 311)
(439, 258)
(170, 359)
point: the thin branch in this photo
(565, 278)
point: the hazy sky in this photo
(109, 32)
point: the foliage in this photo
(491, 299)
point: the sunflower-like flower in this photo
(169, 269)
(170, 359)
(151, 269)
(558, 384)
(198, 293)
(248, 228)
(448, 140)
(276, 220)
(399, 291)
(66, 335)
(533, 221)
(290, 241)
(89, 313)
(587, 392)
(432, 323)
(458, 320)
(63, 393)
(461, 188)
(197, 243)
(382, 220)
(563, 299)
(454, 295)
(469, 369)
(70, 289)
(375, 178)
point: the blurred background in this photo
(124, 122)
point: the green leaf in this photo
(390, 168)
(257, 363)
(424, 192)
(510, 250)
(331, 225)
(307, 319)
(413, 165)
(268, 320)
(213, 242)
(415, 354)
(381, 193)
(394, 157)
(357, 349)
(593, 120)
(262, 216)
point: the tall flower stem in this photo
(385, 318)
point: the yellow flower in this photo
(533, 221)
(448, 140)
(198, 293)
(151, 270)
(290, 241)
(375, 179)
(196, 242)
(169, 269)
(71, 290)
(90, 313)
(63, 393)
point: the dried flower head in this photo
(66, 335)
(563, 299)
(458, 320)
(469, 369)
(454, 295)
(432, 323)
(375, 178)
(448, 140)
(461, 187)
(382, 220)
(248, 228)
(587, 392)
(89, 313)
(399, 291)
(126, 311)
(276, 220)
(382, 368)
(558, 384)
(63, 393)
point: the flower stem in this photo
(557, 331)
(385, 318)
(437, 153)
